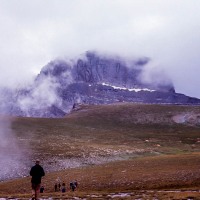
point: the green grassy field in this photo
(138, 149)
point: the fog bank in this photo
(13, 162)
(37, 32)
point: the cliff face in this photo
(92, 79)
(94, 69)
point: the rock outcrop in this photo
(92, 79)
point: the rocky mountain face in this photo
(92, 79)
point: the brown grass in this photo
(157, 153)
(147, 173)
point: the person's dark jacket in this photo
(36, 172)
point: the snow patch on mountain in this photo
(129, 89)
(90, 79)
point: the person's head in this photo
(37, 162)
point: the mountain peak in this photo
(94, 68)
(90, 79)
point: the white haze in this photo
(154, 75)
(41, 96)
(35, 32)
(13, 162)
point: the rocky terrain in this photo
(115, 151)
(90, 79)
(161, 177)
(97, 134)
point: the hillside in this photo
(96, 139)
(160, 177)
(92, 79)
(101, 133)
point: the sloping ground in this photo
(132, 176)
(112, 148)
(138, 113)
(98, 134)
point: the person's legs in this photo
(35, 190)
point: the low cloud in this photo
(12, 158)
(152, 74)
(41, 96)
(167, 32)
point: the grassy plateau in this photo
(118, 151)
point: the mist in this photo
(34, 33)
(41, 96)
(13, 162)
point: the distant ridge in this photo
(90, 79)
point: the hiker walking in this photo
(63, 187)
(37, 172)
(73, 185)
(56, 187)
(42, 189)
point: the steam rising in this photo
(36, 32)
(42, 96)
(165, 31)
(12, 160)
(154, 75)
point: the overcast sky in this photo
(36, 32)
